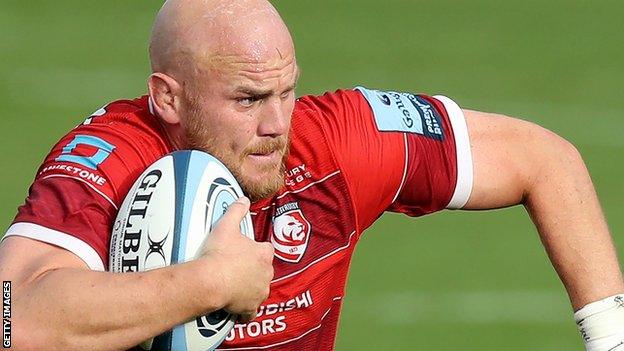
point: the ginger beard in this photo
(269, 178)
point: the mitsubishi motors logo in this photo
(291, 232)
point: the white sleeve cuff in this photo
(601, 324)
(463, 186)
(60, 239)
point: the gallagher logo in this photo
(291, 232)
(385, 99)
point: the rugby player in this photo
(319, 170)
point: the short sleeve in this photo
(76, 193)
(67, 213)
(400, 152)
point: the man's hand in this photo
(74, 308)
(243, 267)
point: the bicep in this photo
(507, 156)
(23, 260)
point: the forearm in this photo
(563, 204)
(515, 162)
(75, 309)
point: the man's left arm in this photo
(517, 162)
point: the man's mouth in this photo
(265, 157)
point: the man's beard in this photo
(198, 137)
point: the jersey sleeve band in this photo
(463, 188)
(66, 241)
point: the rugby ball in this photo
(164, 220)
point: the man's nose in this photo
(273, 120)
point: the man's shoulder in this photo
(311, 156)
(330, 102)
(109, 149)
(126, 116)
(128, 125)
(317, 118)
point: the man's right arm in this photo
(58, 303)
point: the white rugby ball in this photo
(164, 220)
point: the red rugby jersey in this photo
(354, 154)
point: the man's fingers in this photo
(268, 251)
(234, 214)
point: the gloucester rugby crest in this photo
(291, 232)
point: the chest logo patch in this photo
(291, 232)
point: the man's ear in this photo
(165, 93)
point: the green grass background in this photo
(451, 281)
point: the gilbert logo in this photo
(156, 247)
(291, 232)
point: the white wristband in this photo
(601, 324)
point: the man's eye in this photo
(286, 94)
(247, 101)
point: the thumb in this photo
(234, 215)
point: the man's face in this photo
(239, 110)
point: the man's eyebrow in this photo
(297, 75)
(293, 86)
(261, 92)
(253, 91)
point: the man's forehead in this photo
(259, 84)
(237, 70)
(253, 61)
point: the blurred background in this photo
(450, 281)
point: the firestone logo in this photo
(291, 232)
